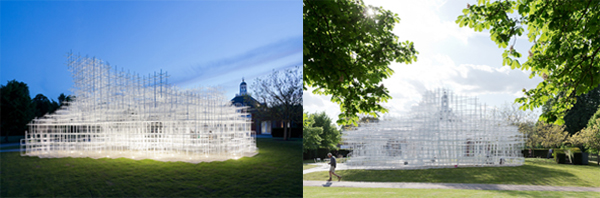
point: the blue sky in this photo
(467, 62)
(199, 43)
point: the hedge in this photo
(542, 153)
(322, 153)
(560, 157)
(278, 132)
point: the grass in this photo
(399, 192)
(275, 171)
(535, 172)
(308, 166)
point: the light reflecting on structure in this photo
(118, 114)
(443, 130)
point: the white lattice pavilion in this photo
(118, 114)
(443, 130)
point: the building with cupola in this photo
(244, 99)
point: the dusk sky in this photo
(460, 59)
(199, 43)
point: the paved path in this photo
(446, 186)
(323, 166)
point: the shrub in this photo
(278, 132)
(560, 156)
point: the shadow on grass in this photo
(534, 172)
(275, 171)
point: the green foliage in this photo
(564, 53)
(347, 53)
(16, 107)
(579, 115)
(311, 136)
(549, 135)
(594, 118)
(528, 129)
(588, 138)
(331, 136)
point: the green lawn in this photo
(308, 166)
(398, 192)
(275, 171)
(535, 172)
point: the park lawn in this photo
(275, 171)
(308, 166)
(535, 172)
(310, 191)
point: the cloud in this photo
(319, 103)
(437, 67)
(439, 71)
(283, 52)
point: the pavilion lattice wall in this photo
(443, 130)
(118, 114)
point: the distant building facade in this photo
(243, 99)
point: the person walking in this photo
(549, 153)
(332, 167)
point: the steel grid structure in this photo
(443, 130)
(118, 114)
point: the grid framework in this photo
(443, 130)
(119, 114)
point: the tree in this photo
(348, 48)
(330, 137)
(16, 108)
(550, 135)
(579, 115)
(311, 136)
(529, 129)
(515, 116)
(565, 46)
(42, 105)
(589, 137)
(281, 92)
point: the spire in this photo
(243, 90)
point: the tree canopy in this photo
(348, 48)
(578, 116)
(281, 92)
(589, 137)
(16, 107)
(330, 137)
(550, 135)
(311, 136)
(565, 46)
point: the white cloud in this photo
(422, 24)
(318, 103)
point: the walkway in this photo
(324, 167)
(446, 186)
